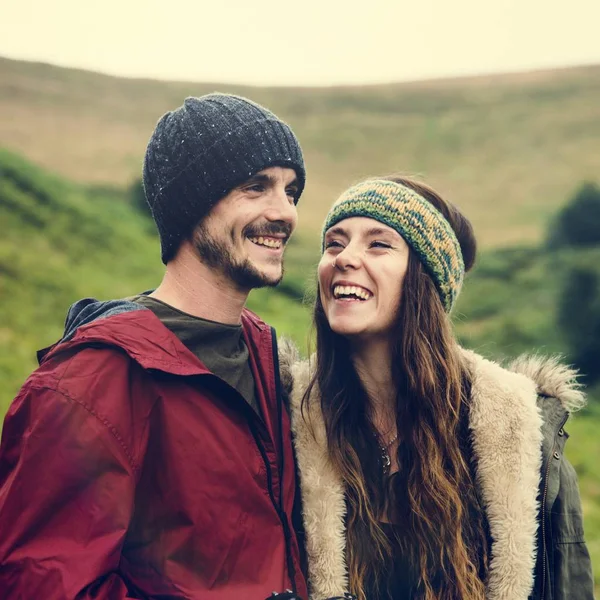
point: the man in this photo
(149, 456)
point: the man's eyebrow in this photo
(268, 179)
(258, 178)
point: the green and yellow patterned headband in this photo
(422, 226)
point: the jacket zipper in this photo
(279, 400)
(278, 509)
(544, 552)
(544, 498)
(283, 517)
(252, 417)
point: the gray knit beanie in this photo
(201, 151)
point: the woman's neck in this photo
(373, 364)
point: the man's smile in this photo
(269, 242)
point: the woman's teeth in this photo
(340, 291)
(264, 241)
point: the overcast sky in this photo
(306, 42)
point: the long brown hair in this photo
(432, 498)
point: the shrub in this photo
(578, 223)
(579, 316)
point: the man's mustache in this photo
(269, 229)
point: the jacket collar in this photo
(506, 426)
(146, 340)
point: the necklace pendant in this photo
(387, 461)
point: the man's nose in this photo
(281, 208)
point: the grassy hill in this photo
(506, 148)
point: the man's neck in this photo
(194, 288)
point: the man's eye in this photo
(257, 187)
(292, 193)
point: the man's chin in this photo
(250, 277)
(273, 282)
(268, 280)
(270, 274)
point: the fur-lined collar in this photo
(552, 379)
(506, 426)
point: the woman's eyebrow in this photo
(379, 231)
(336, 231)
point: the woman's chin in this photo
(349, 330)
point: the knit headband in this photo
(422, 226)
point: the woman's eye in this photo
(380, 245)
(332, 244)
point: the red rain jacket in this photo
(128, 470)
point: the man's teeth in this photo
(268, 242)
(351, 290)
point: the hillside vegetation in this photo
(508, 149)
(63, 242)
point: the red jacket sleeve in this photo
(66, 498)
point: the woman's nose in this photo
(348, 258)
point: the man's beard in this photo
(217, 254)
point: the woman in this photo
(421, 462)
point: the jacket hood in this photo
(505, 418)
(138, 332)
(130, 327)
(88, 310)
(552, 379)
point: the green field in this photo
(510, 150)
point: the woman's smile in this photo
(348, 292)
